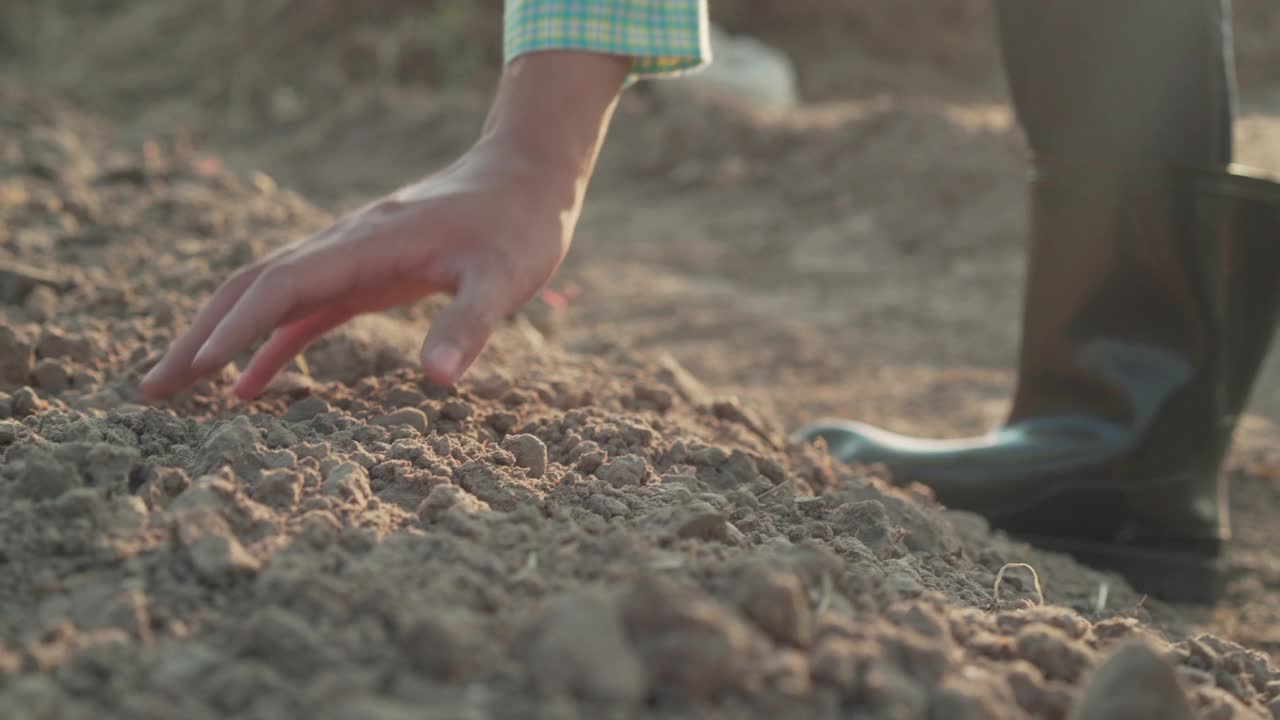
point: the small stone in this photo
(591, 460)
(27, 402)
(530, 453)
(624, 471)
(710, 526)
(411, 417)
(776, 602)
(578, 646)
(1133, 683)
(306, 408)
(492, 386)
(51, 375)
(456, 410)
(405, 396)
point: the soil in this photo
(605, 518)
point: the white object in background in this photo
(742, 68)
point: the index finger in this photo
(173, 373)
(306, 281)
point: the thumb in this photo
(460, 331)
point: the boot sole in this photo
(1180, 577)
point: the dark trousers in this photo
(1121, 81)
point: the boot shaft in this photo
(1151, 298)
(1239, 215)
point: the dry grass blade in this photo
(824, 600)
(527, 570)
(1035, 579)
(1100, 600)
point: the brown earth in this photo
(582, 529)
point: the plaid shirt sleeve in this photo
(664, 37)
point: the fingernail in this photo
(445, 359)
(202, 356)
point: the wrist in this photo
(552, 112)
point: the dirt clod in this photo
(777, 602)
(628, 470)
(578, 646)
(215, 553)
(408, 417)
(41, 476)
(530, 453)
(1133, 682)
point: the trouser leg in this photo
(1121, 81)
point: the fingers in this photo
(285, 344)
(281, 291)
(173, 373)
(462, 329)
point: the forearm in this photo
(552, 112)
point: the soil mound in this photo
(561, 536)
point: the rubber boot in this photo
(1151, 298)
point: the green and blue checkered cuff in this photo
(663, 37)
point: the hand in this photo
(490, 230)
(485, 230)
